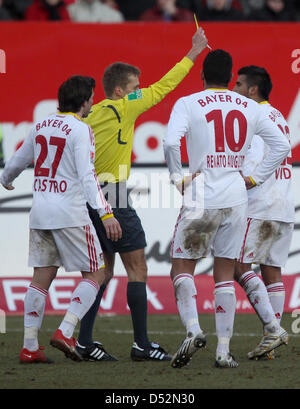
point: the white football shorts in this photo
(218, 232)
(74, 248)
(266, 242)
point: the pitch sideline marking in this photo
(128, 331)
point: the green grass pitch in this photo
(116, 334)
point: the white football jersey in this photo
(273, 200)
(62, 148)
(219, 125)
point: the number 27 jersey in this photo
(62, 148)
(219, 125)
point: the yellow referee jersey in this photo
(112, 122)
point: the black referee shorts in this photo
(133, 235)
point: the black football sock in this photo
(137, 302)
(85, 337)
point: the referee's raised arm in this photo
(156, 92)
(199, 42)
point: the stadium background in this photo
(38, 56)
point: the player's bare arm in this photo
(199, 42)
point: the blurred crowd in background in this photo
(117, 11)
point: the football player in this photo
(271, 214)
(219, 125)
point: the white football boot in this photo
(188, 347)
(268, 343)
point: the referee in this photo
(112, 121)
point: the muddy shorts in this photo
(266, 242)
(74, 248)
(218, 232)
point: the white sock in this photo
(82, 299)
(276, 293)
(185, 293)
(225, 304)
(34, 307)
(258, 296)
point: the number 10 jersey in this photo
(219, 125)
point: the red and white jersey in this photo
(219, 125)
(273, 200)
(62, 148)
